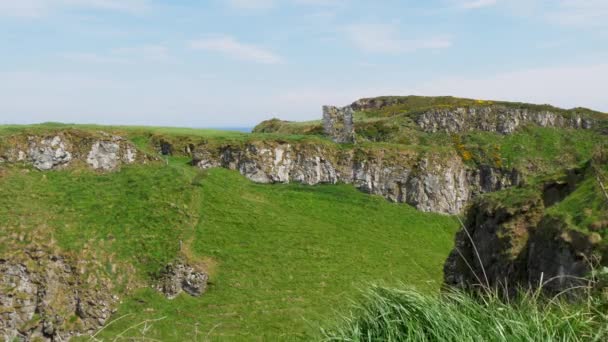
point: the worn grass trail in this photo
(283, 258)
(286, 257)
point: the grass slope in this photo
(282, 258)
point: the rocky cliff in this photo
(47, 296)
(430, 181)
(496, 118)
(100, 151)
(516, 239)
(455, 115)
(433, 180)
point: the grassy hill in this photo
(391, 120)
(282, 258)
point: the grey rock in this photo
(60, 151)
(433, 183)
(40, 291)
(492, 249)
(48, 153)
(104, 155)
(495, 118)
(177, 278)
(130, 155)
(515, 246)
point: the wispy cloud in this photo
(251, 4)
(567, 86)
(231, 47)
(580, 13)
(474, 4)
(326, 3)
(266, 4)
(38, 8)
(383, 38)
(574, 13)
(128, 55)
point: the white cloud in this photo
(157, 53)
(321, 2)
(565, 86)
(581, 13)
(229, 46)
(575, 13)
(266, 4)
(252, 4)
(473, 4)
(38, 8)
(128, 55)
(89, 57)
(385, 39)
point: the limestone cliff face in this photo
(431, 182)
(50, 152)
(504, 118)
(48, 297)
(495, 118)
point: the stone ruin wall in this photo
(338, 124)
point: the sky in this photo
(233, 63)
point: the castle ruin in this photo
(338, 124)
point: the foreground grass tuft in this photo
(389, 314)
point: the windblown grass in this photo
(392, 314)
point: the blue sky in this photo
(236, 62)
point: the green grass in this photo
(534, 149)
(282, 258)
(142, 208)
(586, 206)
(130, 130)
(398, 314)
(399, 105)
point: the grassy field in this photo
(130, 130)
(282, 258)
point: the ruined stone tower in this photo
(338, 124)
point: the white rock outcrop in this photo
(429, 182)
(47, 153)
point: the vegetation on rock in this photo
(129, 205)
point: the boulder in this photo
(177, 278)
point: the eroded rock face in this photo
(104, 155)
(47, 153)
(521, 245)
(430, 182)
(500, 235)
(44, 297)
(60, 151)
(177, 278)
(559, 256)
(495, 118)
